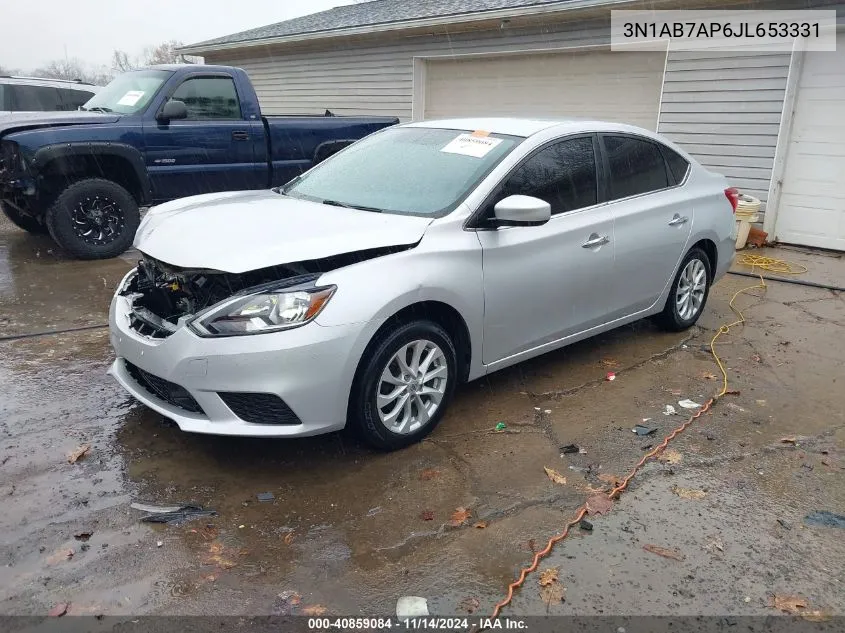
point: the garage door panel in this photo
(548, 85)
(812, 205)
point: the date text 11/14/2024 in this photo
(417, 624)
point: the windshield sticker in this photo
(471, 145)
(131, 98)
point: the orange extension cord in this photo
(582, 511)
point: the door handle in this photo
(595, 240)
(240, 135)
(677, 220)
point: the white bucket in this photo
(743, 228)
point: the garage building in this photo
(772, 122)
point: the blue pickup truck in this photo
(149, 136)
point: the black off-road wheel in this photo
(404, 383)
(25, 222)
(94, 219)
(688, 294)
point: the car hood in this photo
(30, 120)
(236, 232)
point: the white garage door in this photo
(812, 205)
(599, 84)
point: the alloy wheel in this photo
(97, 220)
(412, 386)
(692, 284)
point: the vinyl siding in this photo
(377, 78)
(725, 108)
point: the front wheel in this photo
(404, 384)
(25, 222)
(94, 219)
(688, 294)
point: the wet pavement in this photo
(350, 530)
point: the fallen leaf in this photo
(613, 480)
(59, 610)
(428, 474)
(599, 504)
(554, 475)
(688, 493)
(552, 593)
(60, 555)
(314, 609)
(664, 552)
(708, 376)
(427, 515)
(289, 537)
(756, 358)
(548, 576)
(732, 392)
(671, 456)
(78, 454)
(610, 362)
(480, 525)
(789, 439)
(82, 536)
(789, 604)
(715, 543)
(459, 517)
(470, 605)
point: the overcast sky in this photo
(37, 31)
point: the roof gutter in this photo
(369, 29)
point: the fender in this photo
(44, 155)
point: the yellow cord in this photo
(754, 261)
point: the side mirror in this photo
(521, 211)
(172, 111)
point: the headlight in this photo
(268, 311)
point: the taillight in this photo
(732, 194)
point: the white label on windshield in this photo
(131, 98)
(471, 145)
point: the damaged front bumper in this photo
(285, 384)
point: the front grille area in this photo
(164, 389)
(259, 408)
(150, 325)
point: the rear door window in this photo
(35, 98)
(635, 164)
(678, 165)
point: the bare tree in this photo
(5, 70)
(121, 62)
(74, 70)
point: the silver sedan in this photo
(426, 255)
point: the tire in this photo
(367, 419)
(94, 219)
(25, 222)
(678, 315)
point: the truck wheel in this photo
(94, 219)
(25, 222)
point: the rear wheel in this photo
(688, 294)
(94, 219)
(404, 384)
(26, 222)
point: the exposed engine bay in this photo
(163, 294)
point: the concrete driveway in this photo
(350, 530)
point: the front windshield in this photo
(128, 93)
(405, 170)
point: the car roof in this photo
(41, 81)
(515, 126)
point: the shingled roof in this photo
(375, 14)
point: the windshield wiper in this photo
(97, 109)
(335, 203)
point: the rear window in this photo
(34, 98)
(636, 166)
